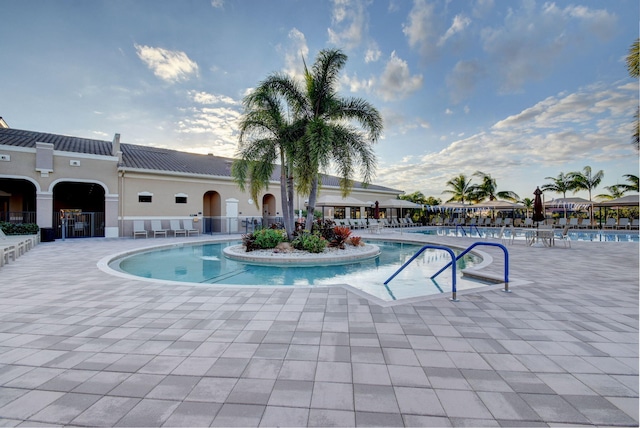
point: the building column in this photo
(44, 209)
(111, 205)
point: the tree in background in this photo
(586, 180)
(460, 189)
(560, 184)
(633, 183)
(488, 188)
(633, 66)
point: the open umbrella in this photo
(538, 215)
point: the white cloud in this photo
(355, 85)
(460, 22)
(202, 97)
(560, 133)
(531, 40)
(218, 4)
(294, 52)
(396, 81)
(422, 28)
(170, 66)
(464, 78)
(373, 53)
(219, 124)
(349, 23)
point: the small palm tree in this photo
(488, 188)
(528, 204)
(461, 189)
(586, 180)
(615, 191)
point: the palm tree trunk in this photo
(312, 204)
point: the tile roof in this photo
(146, 157)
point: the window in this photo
(181, 198)
(145, 197)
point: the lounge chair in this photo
(528, 222)
(635, 224)
(498, 222)
(508, 222)
(610, 224)
(623, 223)
(562, 222)
(188, 226)
(156, 227)
(139, 230)
(573, 222)
(585, 223)
(174, 226)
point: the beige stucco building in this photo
(77, 187)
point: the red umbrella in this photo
(538, 214)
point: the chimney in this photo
(115, 145)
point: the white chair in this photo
(573, 222)
(188, 226)
(610, 224)
(174, 226)
(564, 236)
(138, 229)
(156, 227)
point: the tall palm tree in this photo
(560, 184)
(633, 183)
(461, 189)
(331, 137)
(267, 136)
(633, 67)
(488, 188)
(615, 191)
(528, 204)
(586, 180)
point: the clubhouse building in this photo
(78, 187)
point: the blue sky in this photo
(521, 90)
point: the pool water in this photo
(206, 264)
(574, 235)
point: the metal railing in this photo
(471, 227)
(420, 251)
(18, 217)
(452, 263)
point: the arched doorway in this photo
(269, 212)
(211, 211)
(17, 201)
(78, 209)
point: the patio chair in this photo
(623, 223)
(635, 224)
(139, 230)
(562, 222)
(508, 222)
(528, 222)
(174, 226)
(156, 227)
(585, 223)
(573, 222)
(564, 236)
(498, 222)
(188, 226)
(610, 224)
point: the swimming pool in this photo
(205, 263)
(574, 235)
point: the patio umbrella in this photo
(538, 215)
(376, 211)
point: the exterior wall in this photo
(101, 170)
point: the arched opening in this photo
(17, 201)
(211, 211)
(269, 213)
(78, 210)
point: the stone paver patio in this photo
(80, 347)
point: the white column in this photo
(44, 209)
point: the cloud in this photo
(355, 85)
(463, 79)
(563, 132)
(220, 125)
(218, 4)
(396, 81)
(531, 40)
(460, 22)
(170, 66)
(295, 50)
(349, 23)
(422, 27)
(202, 97)
(373, 53)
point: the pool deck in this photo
(80, 347)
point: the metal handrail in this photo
(471, 226)
(420, 251)
(491, 244)
(453, 264)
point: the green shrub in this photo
(268, 238)
(311, 242)
(19, 228)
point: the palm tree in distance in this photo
(633, 183)
(460, 189)
(586, 180)
(615, 191)
(488, 188)
(330, 136)
(528, 204)
(633, 67)
(560, 184)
